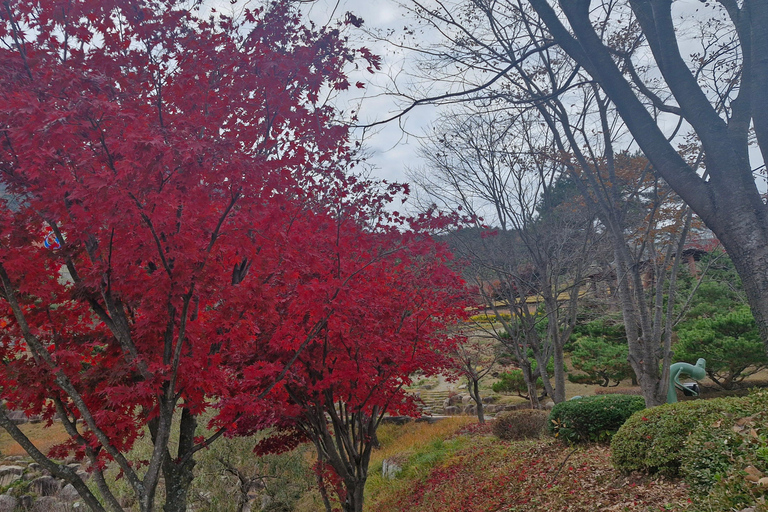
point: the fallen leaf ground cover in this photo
(484, 474)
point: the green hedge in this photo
(707, 442)
(593, 418)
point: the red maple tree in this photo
(177, 231)
(386, 307)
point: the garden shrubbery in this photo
(522, 424)
(713, 444)
(593, 418)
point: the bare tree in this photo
(488, 163)
(665, 66)
(475, 359)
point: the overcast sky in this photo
(391, 149)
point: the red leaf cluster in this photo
(212, 249)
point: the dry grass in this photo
(487, 474)
(396, 439)
(44, 438)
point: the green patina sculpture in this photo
(697, 372)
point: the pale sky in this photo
(393, 147)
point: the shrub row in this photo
(593, 418)
(713, 444)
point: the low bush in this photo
(701, 440)
(619, 391)
(522, 424)
(652, 440)
(594, 418)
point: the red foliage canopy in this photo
(208, 247)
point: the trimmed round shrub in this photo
(522, 424)
(593, 418)
(694, 439)
(651, 441)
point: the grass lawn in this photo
(43, 438)
(468, 470)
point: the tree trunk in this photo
(473, 385)
(530, 381)
(729, 203)
(559, 395)
(745, 239)
(354, 500)
(178, 473)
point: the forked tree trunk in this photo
(178, 472)
(473, 385)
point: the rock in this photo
(490, 399)
(34, 466)
(68, 493)
(25, 502)
(49, 504)
(45, 486)
(549, 405)
(452, 410)
(17, 417)
(7, 503)
(390, 468)
(465, 399)
(753, 474)
(447, 402)
(490, 408)
(84, 475)
(9, 474)
(37, 418)
(454, 399)
(469, 409)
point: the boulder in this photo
(68, 494)
(49, 504)
(17, 417)
(7, 503)
(25, 502)
(452, 410)
(9, 474)
(465, 399)
(390, 468)
(45, 486)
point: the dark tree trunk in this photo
(354, 500)
(473, 385)
(729, 203)
(178, 473)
